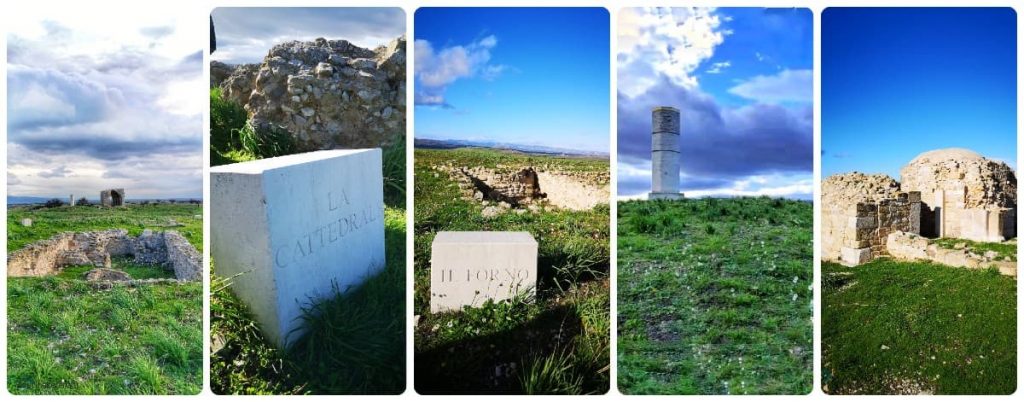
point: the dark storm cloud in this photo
(718, 142)
(109, 149)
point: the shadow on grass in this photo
(493, 363)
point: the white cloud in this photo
(716, 68)
(786, 86)
(88, 96)
(672, 42)
(436, 69)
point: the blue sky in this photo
(537, 76)
(898, 82)
(93, 105)
(743, 81)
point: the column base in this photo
(665, 196)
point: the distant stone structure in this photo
(112, 198)
(71, 200)
(944, 193)
(665, 154)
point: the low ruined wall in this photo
(50, 256)
(517, 186)
(911, 247)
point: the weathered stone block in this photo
(855, 256)
(469, 268)
(865, 222)
(289, 230)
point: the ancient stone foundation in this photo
(49, 257)
(911, 247)
(528, 186)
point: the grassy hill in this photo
(67, 337)
(891, 327)
(558, 343)
(715, 296)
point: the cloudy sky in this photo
(94, 105)
(529, 76)
(899, 82)
(246, 34)
(742, 80)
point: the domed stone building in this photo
(964, 194)
(942, 193)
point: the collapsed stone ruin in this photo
(110, 198)
(514, 187)
(48, 257)
(953, 193)
(326, 93)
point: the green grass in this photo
(715, 296)
(135, 271)
(64, 337)
(1005, 251)
(557, 343)
(893, 327)
(48, 222)
(355, 342)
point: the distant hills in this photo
(530, 149)
(22, 200)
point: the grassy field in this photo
(66, 337)
(893, 327)
(715, 296)
(355, 343)
(47, 222)
(555, 344)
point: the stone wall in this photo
(859, 212)
(326, 93)
(529, 185)
(48, 257)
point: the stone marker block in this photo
(468, 268)
(286, 230)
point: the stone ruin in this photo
(963, 195)
(515, 187)
(169, 249)
(326, 93)
(112, 198)
(944, 193)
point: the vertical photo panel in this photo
(715, 183)
(104, 202)
(919, 201)
(307, 200)
(512, 189)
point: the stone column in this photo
(71, 200)
(665, 153)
